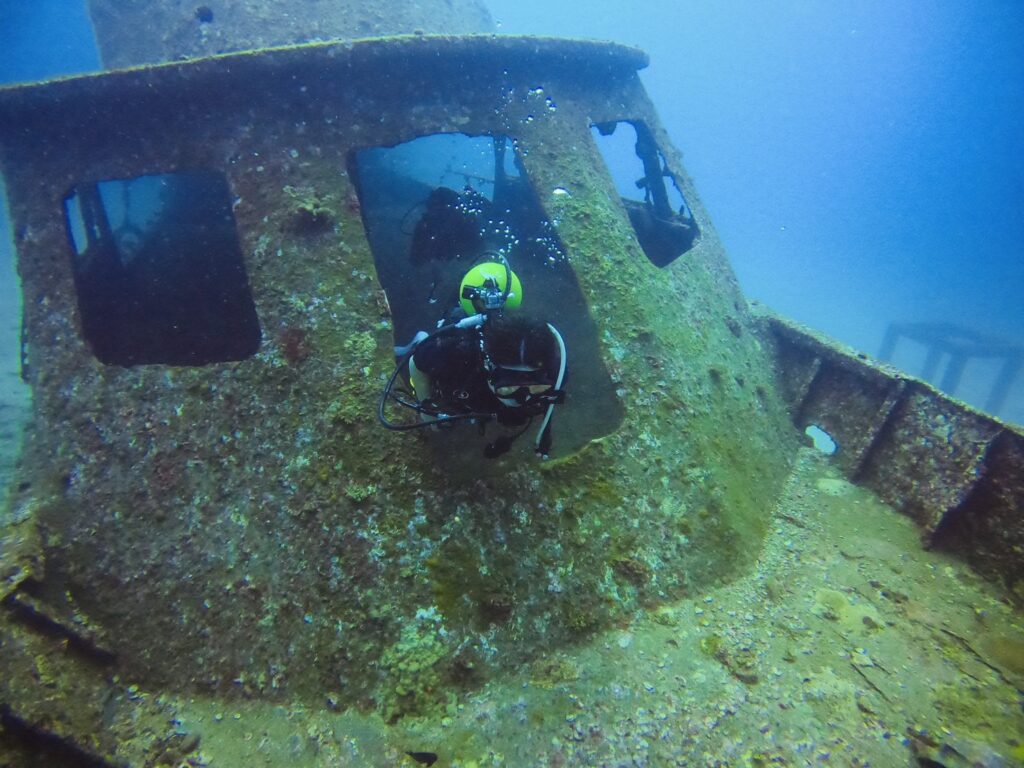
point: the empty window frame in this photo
(437, 204)
(658, 211)
(158, 270)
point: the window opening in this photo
(438, 206)
(660, 216)
(158, 270)
(821, 439)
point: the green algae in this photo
(1006, 650)
(308, 212)
(467, 588)
(554, 670)
(411, 668)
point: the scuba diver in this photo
(480, 365)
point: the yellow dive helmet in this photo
(485, 288)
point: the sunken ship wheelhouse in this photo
(217, 261)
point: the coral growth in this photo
(307, 212)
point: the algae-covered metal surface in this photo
(844, 644)
(131, 33)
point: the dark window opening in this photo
(662, 220)
(435, 206)
(158, 271)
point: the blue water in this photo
(44, 38)
(862, 161)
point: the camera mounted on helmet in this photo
(490, 287)
(487, 298)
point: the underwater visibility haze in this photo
(384, 385)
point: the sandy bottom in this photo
(846, 645)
